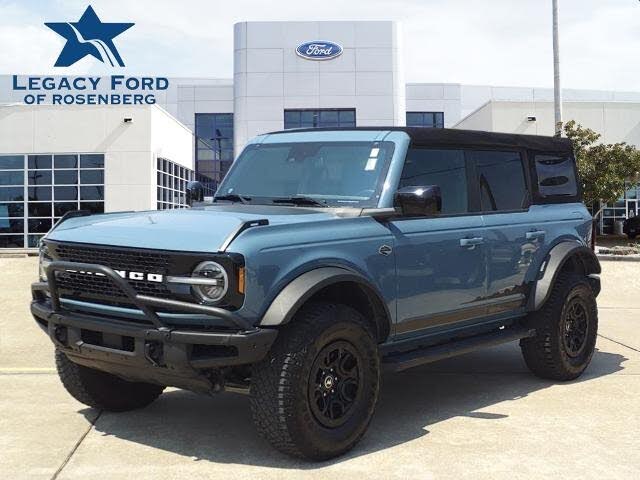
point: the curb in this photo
(618, 258)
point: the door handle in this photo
(535, 234)
(471, 242)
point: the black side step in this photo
(402, 361)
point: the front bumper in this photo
(151, 352)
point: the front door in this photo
(441, 261)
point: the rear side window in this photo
(501, 180)
(556, 175)
(444, 168)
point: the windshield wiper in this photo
(233, 197)
(300, 200)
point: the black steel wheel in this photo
(575, 326)
(335, 384)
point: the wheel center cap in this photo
(328, 382)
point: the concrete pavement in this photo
(477, 416)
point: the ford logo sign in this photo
(319, 50)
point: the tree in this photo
(605, 169)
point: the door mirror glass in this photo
(418, 201)
(194, 193)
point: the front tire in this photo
(566, 330)
(102, 390)
(314, 395)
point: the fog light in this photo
(212, 282)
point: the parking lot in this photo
(482, 415)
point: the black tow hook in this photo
(154, 352)
(60, 334)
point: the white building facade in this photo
(203, 123)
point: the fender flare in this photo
(555, 260)
(298, 291)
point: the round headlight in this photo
(210, 282)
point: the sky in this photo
(495, 42)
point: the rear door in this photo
(511, 238)
(441, 260)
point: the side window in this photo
(556, 175)
(501, 180)
(444, 168)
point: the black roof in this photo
(461, 138)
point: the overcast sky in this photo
(497, 42)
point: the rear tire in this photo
(314, 395)
(566, 330)
(102, 390)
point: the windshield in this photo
(329, 173)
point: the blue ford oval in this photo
(319, 50)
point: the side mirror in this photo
(195, 192)
(418, 201)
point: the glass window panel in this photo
(39, 161)
(65, 161)
(444, 168)
(92, 193)
(65, 177)
(39, 193)
(39, 177)
(501, 179)
(12, 178)
(39, 209)
(11, 194)
(414, 119)
(93, 207)
(39, 225)
(91, 176)
(92, 160)
(11, 209)
(11, 225)
(12, 162)
(60, 208)
(11, 241)
(204, 155)
(328, 118)
(66, 193)
(348, 116)
(291, 118)
(556, 175)
(425, 119)
(33, 241)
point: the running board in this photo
(403, 361)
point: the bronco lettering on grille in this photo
(138, 276)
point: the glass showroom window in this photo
(214, 146)
(172, 184)
(329, 117)
(12, 201)
(425, 119)
(52, 185)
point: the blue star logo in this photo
(89, 36)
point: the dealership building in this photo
(59, 157)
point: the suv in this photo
(326, 256)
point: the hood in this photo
(194, 230)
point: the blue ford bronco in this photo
(326, 257)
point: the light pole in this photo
(557, 93)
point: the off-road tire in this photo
(547, 354)
(282, 404)
(102, 390)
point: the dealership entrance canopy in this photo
(285, 75)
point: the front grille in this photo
(129, 259)
(82, 286)
(100, 289)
